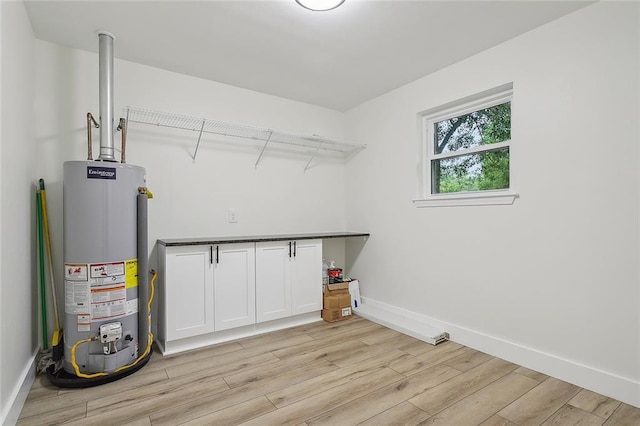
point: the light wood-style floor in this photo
(346, 373)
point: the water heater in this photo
(100, 265)
(107, 296)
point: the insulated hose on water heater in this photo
(147, 349)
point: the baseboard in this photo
(414, 324)
(197, 342)
(20, 393)
(378, 313)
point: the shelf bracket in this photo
(195, 154)
(263, 148)
(313, 156)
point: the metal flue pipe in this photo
(106, 95)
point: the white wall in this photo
(556, 274)
(18, 284)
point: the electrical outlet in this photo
(232, 215)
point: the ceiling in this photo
(336, 59)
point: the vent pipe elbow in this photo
(105, 55)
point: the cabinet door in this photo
(273, 283)
(307, 277)
(234, 279)
(189, 291)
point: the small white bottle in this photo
(325, 272)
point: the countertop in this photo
(257, 238)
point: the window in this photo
(466, 151)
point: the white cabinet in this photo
(273, 287)
(307, 277)
(288, 278)
(209, 293)
(188, 292)
(234, 280)
(206, 288)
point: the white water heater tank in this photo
(100, 264)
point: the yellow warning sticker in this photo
(131, 273)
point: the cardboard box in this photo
(332, 315)
(337, 301)
(337, 304)
(338, 288)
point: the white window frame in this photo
(427, 120)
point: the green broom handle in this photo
(45, 221)
(43, 293)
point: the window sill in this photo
(488, 198)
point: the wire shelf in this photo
(203, 125)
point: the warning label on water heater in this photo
(106, 270)
(76, 297)
(108, 302)
(131, 274)
(75, 272)
(98, 291)
(108, 292)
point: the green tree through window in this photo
(471, 151)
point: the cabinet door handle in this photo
(289, 248)
(217, 255)
(211, 255)
(295, 246)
